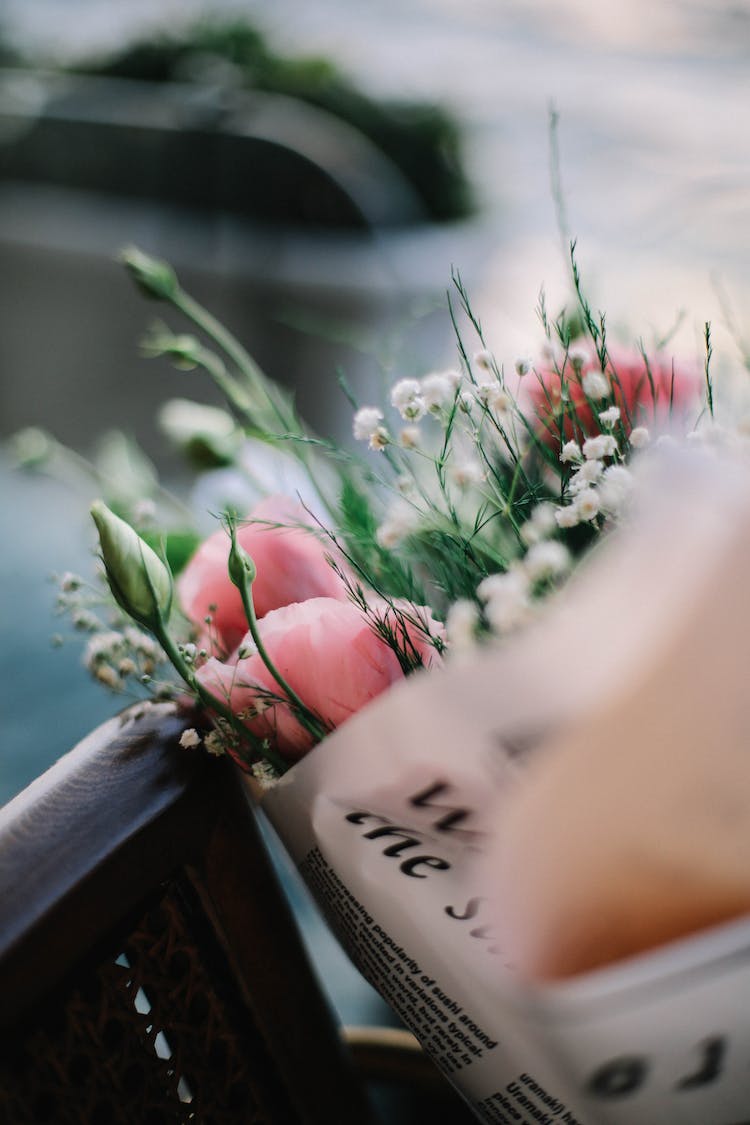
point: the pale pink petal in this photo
(291, 567)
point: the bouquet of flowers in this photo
(478, 494)
(418, 567)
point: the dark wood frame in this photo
(124, 812)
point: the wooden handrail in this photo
(123, 813)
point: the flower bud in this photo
(206, 434)
(184, 350)
(139, 580)
(242, 569)
(154, 278)
(32, 447)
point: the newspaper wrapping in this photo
(386, 821)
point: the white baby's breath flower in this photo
(615, 488)
(401, 519)
(264, 775)
(577, 484)
(543, 517)
(366, 422)
(547, 560)
(540, 523)
(214, 744)
(587, 504)
(106, 675)
(620, 474)
(610, 416)
(483, 359)
(595, 385)
(529, 533)
(501, 404)
(570, 452)
(438, 389)
(85, 621)
(141, 642)
(379, 438)
(588, 474)
(410, 437)
(567, 516)
(523, 366)
(406, 397)
(460, 626)
(506, 597)
(603, 445)
(577, 356)
(388, 535)
(496, 584)
(590, 471)
(639, 437)
(466, 473)
(189, 739)
(102, 647)
(466, 401)
(257, 707)
(493, 395)
(404, 391)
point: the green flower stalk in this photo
(142, 586)
(154, 278)
(242, 572)
(140, 582)
(262, 408)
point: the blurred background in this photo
(314, 171)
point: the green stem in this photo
(236, 397)
(228, 343)
(302, 712)
(264, 412)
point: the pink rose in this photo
(328, 653)
(291, 567)
(674, 390)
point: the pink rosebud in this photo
(291, 567)
(328, 653)
(672, 389)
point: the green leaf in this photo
(357, 518)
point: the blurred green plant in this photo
(422, 139)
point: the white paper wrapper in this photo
(663, 1038)
(386, 820)
(387, 843)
